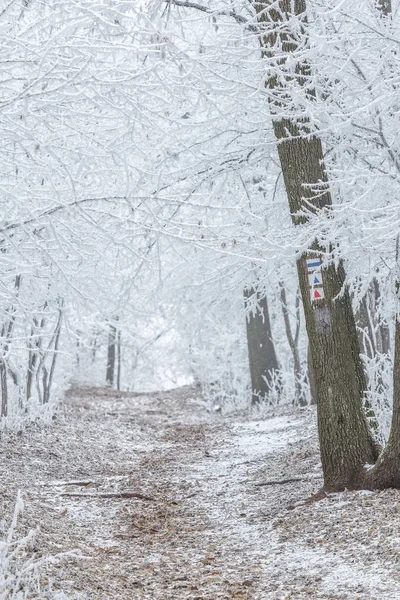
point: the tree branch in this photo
(228, 13)
(56, 209)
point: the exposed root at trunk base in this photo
(321, 495)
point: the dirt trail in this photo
(160, 499)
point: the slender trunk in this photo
(34, 352)
(93, 345)
(374, 332)
(6, 335)
(293, 341)
(32, 358)
(383, 344)
(345, 439)
(385, 338)
(365, 328)
(119, 360)
(44, 376)
(386, 472)
(4, 389)
(49, 382)
(262, 357)
(112, 332)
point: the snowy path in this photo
(200, 527)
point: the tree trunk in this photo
(35, 348)
(310, 374)
(112, 334)
(119, 360)
(49, 378)
(365, 328)
(345, 439)
(383, 337)
(385, 6)
(386, 472)
(293, 341)
(6, 335)
(4, 389)
(262, 358)
(373, 331)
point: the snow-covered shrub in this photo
(21, 573)
(19, 576)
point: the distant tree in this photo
(263, 362)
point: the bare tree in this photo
(111, 352)
(293, 341)
(262, 357)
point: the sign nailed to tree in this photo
(315, 278)
(314, 264)
(317, 293)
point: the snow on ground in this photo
(160, 499)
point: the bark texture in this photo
(310, 374)
(339, 382)
(262, 357)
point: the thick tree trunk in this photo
(310, 374)
(262, 357)
(345, 439)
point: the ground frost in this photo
(159, 499)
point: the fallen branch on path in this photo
(66, 483)
(118, 495)
(281, 482)
(305, 477)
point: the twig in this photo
(120, 495)
(74, 482)
(281, 482)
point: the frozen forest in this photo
(200, 299)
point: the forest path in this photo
(196, 525)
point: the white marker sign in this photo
(313, 264)
(317, 293)
(315, 278)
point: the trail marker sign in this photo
(314, 265)
(315, 279)
(317, 293)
